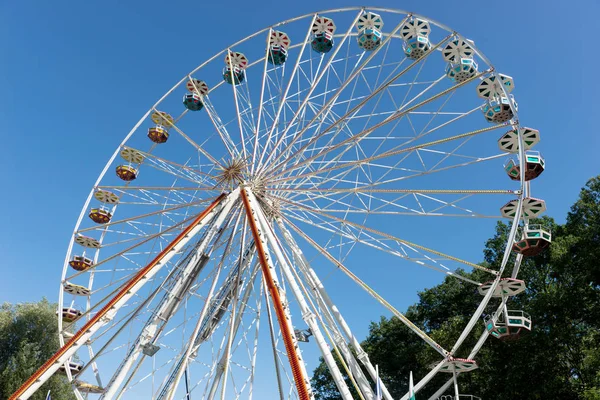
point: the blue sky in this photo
(76, 76)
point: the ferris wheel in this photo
(315, 169)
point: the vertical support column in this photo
(505, 310)
(287, 332)
(456, 394)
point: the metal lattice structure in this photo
(304, 150)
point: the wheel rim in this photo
(317, 182)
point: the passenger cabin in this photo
(100, 215)
(461, 71)
(158, 134)
(193, 101)
(416, 48)
(535, 165)
(235, 64)
(74, 367)
(369, 27)
(85, 387)
(80, 263)
(127, 172)
(508, 326)
(535, 239)
(322, 42)
(76, 290)
(497, 110)
(277, 55)
(70, 314)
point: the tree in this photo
(28, 337)
(560, 358)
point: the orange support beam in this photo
(96, 318)
(286, 333)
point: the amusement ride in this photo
(304, 166)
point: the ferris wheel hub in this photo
(233, 172)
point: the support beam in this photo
(287, 332)
(307, 314)
(238, 319)
(333, 312)
(108, 312)
(456, 393)
(171, 303)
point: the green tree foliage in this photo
(28, 337)
(559, 359)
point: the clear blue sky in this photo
(75, 76)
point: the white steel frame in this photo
(304, 152)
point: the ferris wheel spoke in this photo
(345, 127)
(376, 201)
(328, 115)
(422, 173)
(356, 108)
(173, 297)
(380, 245)
(220, 128)
(392, 117)
(283, 98)
(385, 235)
(410, 140)
(108, 312)
(206, 326)
(213, 275)
(178, 170)
(354, 113)
(307, 315)
(238, 304)
(382, 181)
(130, 249)
(422, 133)
(372, 292)
(277, 293)
(356, 72)
(146, 215)
(309, 93)
(324, 317)
(336, 322)
(119, 325)
(157, 188)
(171, 273)
(466, 213)
(158, 196)
(236, 321)
(391, 153)
(284, 103)
(193, 143)
(261, 102)
(142, 226)
(268, 109)
(216, 121)
(396, 151)
(233, 78)
(368, 189)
